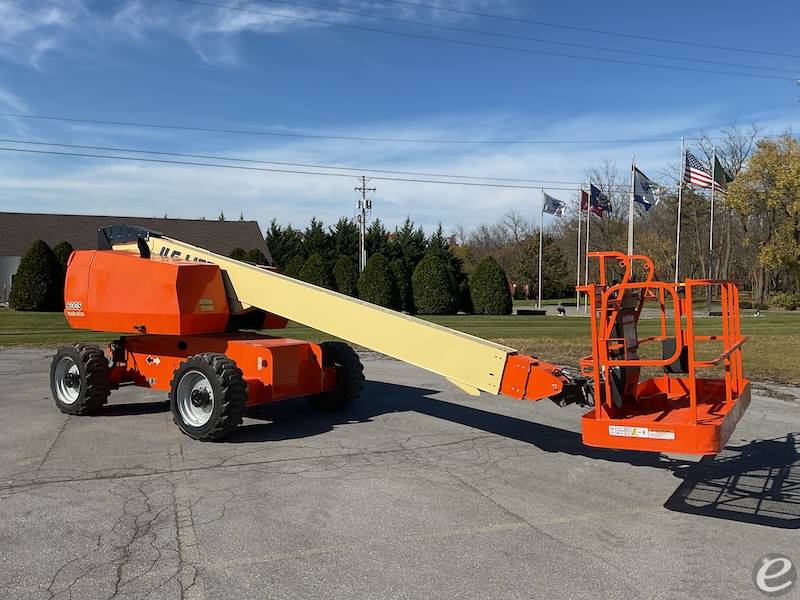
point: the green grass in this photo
(772, 351)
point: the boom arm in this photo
(471, 363)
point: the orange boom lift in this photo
(181, 312)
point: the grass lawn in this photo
(772, 351)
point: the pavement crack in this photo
(52, 445)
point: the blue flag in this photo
(598, 200)
(553, 206)
(644, 190)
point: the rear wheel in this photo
(349, 377)
(207, 396)
(79, 379)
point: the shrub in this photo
(238, 254)
(433, 286)
(377, 285)
(257, 257)
(316, 272)
(294, 266)
(489, 289)
(38, 283)
(62, 250)
(345, 276)
(402, 280)
(787, 300)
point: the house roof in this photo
(18, 231)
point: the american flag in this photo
(696, 173)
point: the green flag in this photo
(721, 177)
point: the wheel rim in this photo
(195, 398)
(67, 379)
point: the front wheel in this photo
(349, 377)
(207, 396)
(79, 379)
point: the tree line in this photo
(406, 270)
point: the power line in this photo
(269, 170)
(484, 45)
(528, 38)
(591, 30)
(287, 171)
(278, 163)
(255, 132)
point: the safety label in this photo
(640, 432)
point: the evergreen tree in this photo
(489, 289)
(221, 216)
(410, 244)
(62, 250)
(283, 244)
(345, 275)
(376, 284)
(432, 286)
(38, 282)
(316, 240)
(344, 237)
(402, 279)
(294, 266)
(439, 245)
(257, 257)
(377, 239)
(238, 254)
(316, 272)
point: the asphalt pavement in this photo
(418, 491)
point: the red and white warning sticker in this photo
(640, 432)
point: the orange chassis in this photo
(273, 368)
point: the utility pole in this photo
(364, 205)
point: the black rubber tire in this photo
(349, 377)
(230, 395)
(95, 383)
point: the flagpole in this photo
(630, 209)
(578, 260)
(586, 255)
(680, 200)
(711, 225)
(541, 230)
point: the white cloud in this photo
(11, 103)
(30, 29)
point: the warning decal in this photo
(640, 432)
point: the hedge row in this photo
(433, 288)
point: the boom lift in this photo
(181, 311)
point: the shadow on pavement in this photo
(758, 483)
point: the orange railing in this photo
(610, 350)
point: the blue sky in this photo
(165, 61)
